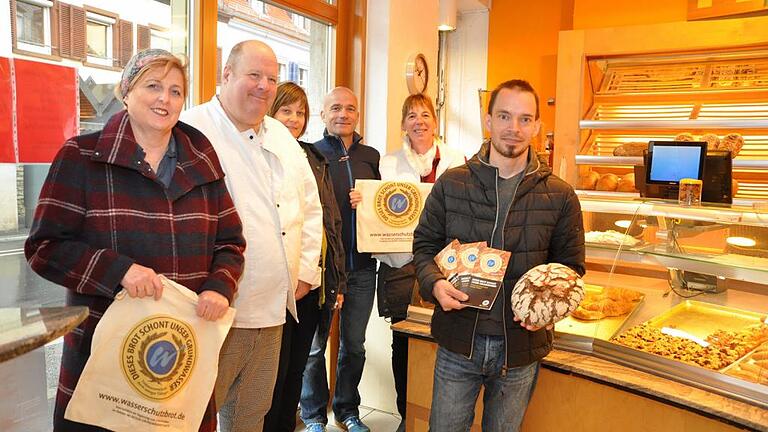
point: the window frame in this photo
(156, 31)
(303, 77)
(47, 50)
(108, 20)
(348, 17)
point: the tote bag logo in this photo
(158, 357)
(398, 204)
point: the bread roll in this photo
(685, 136)
(634, 148)
(712, 140)
(546, 294)
(607, 182)
(626, 183)
(733, 142)
(589, 180)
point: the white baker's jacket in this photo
(276, 196)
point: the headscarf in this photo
(137, 63)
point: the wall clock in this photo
(417, 74)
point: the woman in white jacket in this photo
(422, 158)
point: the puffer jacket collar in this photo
(537, 169)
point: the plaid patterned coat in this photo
(102, 209)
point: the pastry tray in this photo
(605, 328)
(759, 368)
(699, 319)
(702, 319)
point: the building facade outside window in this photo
(160, 38)
(257, 6)
(302, 46)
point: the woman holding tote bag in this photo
(144, 196)
(423, 158)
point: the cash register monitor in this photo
(662, 182)
(671, 161)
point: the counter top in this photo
(24, 329)
(632, 380)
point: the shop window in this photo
(32, 28)
(304, 56)
(56, 46)
(99, 39)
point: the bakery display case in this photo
(689, 81)
(680, 292)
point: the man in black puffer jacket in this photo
(509, 198)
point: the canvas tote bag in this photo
(388, 214)
(153, 364)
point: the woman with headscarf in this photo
(291, 108)
(143, 197)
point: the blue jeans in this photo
(457, 383)
(353, 320)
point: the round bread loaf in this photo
(685, 136)
(712, 140)
(633, 148)
(626, 183)
(733, 142)
(607, 182)
(546, 294)
(589, 180)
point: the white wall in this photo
(467, 68)
(396, 32)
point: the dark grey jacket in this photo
(544, 225)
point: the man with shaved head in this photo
(276, 195)
(349, 159)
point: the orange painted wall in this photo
(522, 38)
(619, 13)
(522, 43)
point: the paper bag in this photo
(153, 364)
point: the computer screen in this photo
(670, 161)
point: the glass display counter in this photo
(693, 282)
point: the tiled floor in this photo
(377, 421)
